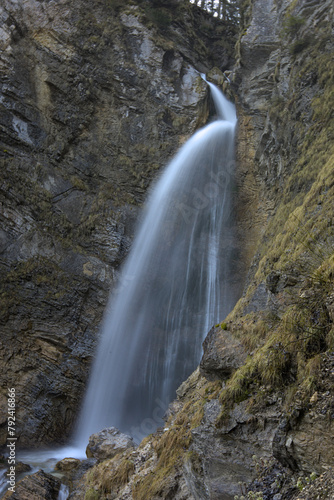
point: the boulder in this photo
(68, 464)
(223, 353)
(38, 486)
(107, 443)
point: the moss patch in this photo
(291, 345)
(173, 444)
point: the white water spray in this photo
(63, 492)
(174, 287)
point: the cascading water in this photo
(173, 287)
(63, 492)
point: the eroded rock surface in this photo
(223, 354)
(38, 486)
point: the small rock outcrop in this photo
(107, 443)
(38, 486)
(222, 354)
(67, 464)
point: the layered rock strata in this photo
(265, 422)
(94, 101)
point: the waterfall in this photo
(63, 492)
(173, 287)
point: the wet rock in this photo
(107, 443)
(38, 486)
(22, 467)
(68, 464)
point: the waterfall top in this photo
(225, 109)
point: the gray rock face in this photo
(40, 486)
(226, 453)
(273, 93)
(302, 441)
(94, 101)
(276, 86)
(223, 354)
(107, 443)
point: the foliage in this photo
(108, 476)
(226, 10)
(170, 448)
(173, 444)
(118, 476)
(298, 221)
(159, 16)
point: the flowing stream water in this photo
(173, 288)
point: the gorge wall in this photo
(258, 413)
(83, 135)
(94, 101)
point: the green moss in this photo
(291, 345)
(92, 494)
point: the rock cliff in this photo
(260, 424)
(94, 101)
(261, 419)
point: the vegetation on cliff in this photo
(285, 317)
(277, 405)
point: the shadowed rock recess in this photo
(94, 101)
